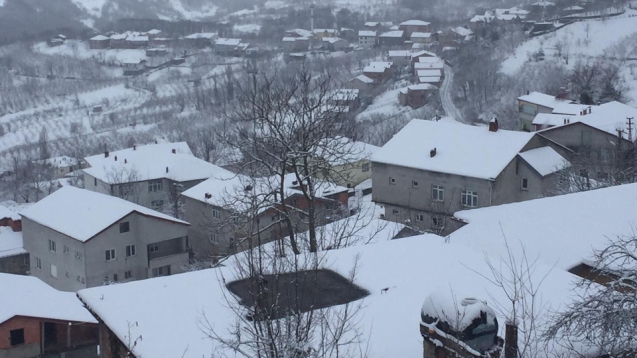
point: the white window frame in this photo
(437, 222)
(131, 250)
(214, 238)
(216, 214)
(52, 246)
(365, 167)
(437, 192)
(54, 271)
(465, 195)
(153, 248)
(67, 249)
(38, 263)
(110, 255)
(155, 186)
(420, 217)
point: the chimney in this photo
(432, 153)
(590, 109)
(115, 158)
(382, 216)
(527, 92)
(174, 151)
(248, 188)
(166, 169)
(510, 340)
(125, 161)
(134, 147)
(106, 154)
(208, 195)
(295, 182)
(493, 125)
(564, 120)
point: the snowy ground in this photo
(80, 49)
(445, 96)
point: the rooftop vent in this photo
(248, 188)
(174, 151)
(432, 153)
(166, 169)
(493, 125)
(208, 195)
(106, 154)
(134, 147)
(115, 158)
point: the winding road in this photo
(445, 96)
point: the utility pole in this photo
(629, 123)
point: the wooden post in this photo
(510, 341)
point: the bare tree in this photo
(603, 318)
(125, 183)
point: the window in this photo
(214, 238)
(66, 249)
(419, 217)
(525, 184)
(527, 108)
(216, 214)
(52, 246)
(437, 222)
(128, 274)
(414, 184)
(395, 212)
(365, 167)
(437, 193)
(115, 277)
(110, 254)
(125, 190)
(54, 271)
(469, 198)
(586, 137)
(131, 250)
(17, 337)
(294, 202)
(392, 181)
(153, 248)
(161, 271)
(157, 204)
(154, 186)
(124, 227)
(38, 263)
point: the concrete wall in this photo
(16, 264)
(36, 242)
(525, 119)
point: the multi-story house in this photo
(367, 38)
(533, 103)
(392, 38)
(227, 215)
(79, 239)
(149, 175)
(411, 26)
(429, 170)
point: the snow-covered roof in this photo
(545, 160)
(343, 94)
(227, 42)
(392, 34)
(429, 65)
(610, 116)
(138, 39)
(429, 73)
(30, 297)
(119, 36)
(301, 32)
(388, 320)
(11, 243)
(414, 23)
(366, 33)
(460, 149)
(60, 162)
(201, 35)
(423, 54)
(420, 35)
(153, 32)
(564, 229)
(457, 311)
(543, 3)
(289, 39)
(374, 69)
(573, 109)
(332, 39)
(573, 8)
(149, 162)
(462, 31)
(10, 209)
(422, 87)
(82, 214)
(364, 79)
(399, 53)
(351, 151)
(549, 119)
(372, 23)
(99, 38)
(429, 79)
(320, 31)
(543, 100)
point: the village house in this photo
(161, 41)
(56, 41)
(363, 84)
(37, 320)
(430, 63)
(411, 26)
(379, 72)
(349, 98)
(295, 44)
(415, 96)
(200, 39)
(373, 26)
(149, 175)
(153, 34)
(533, 103)
(335, 43)
(134, 67)
(62, 166)
(429, 170)
(599, 138)
(224, 46)
(502, 17)
(320, 34)
(353, 168)
(217, 208)
(156, 52)
(135, 42)
(367, 38)
(99, 42)
(415, 56)
(421, 37)
(118, 41)
(454, 36)
(430, 76)
(116, 241)
(392, 38)
(571, 10)
(299, 33)
(400, 58)
(350, 35)
(14, 258)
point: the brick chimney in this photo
(134, 147)
(115, 158)
(563, 94)
(208, 195)
(106, 154)
(493, 125)
(174, 151)
(432, 153)
(166, 169)
(510, 340)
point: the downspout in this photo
(491, 181)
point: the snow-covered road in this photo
(445, 96)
